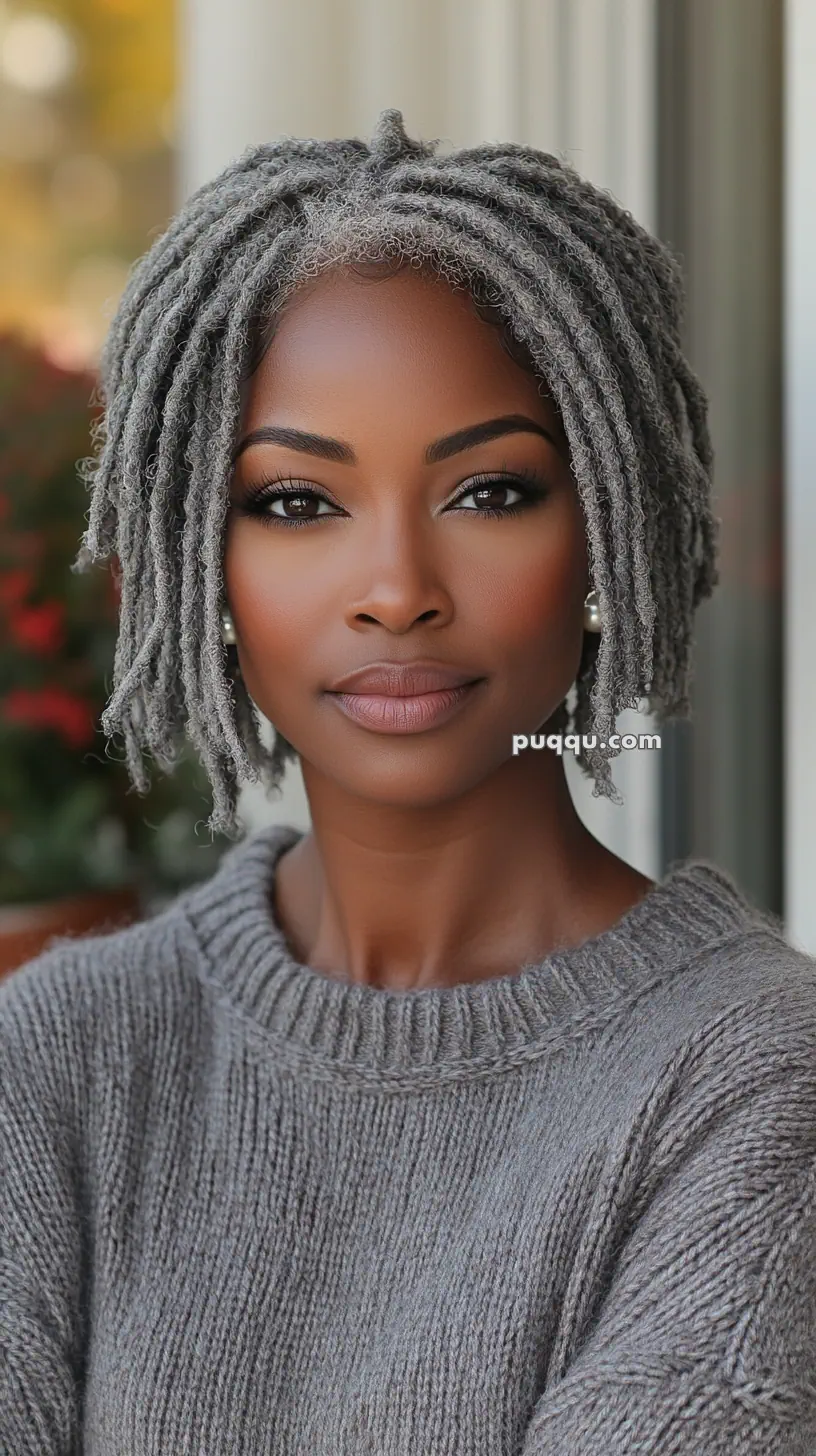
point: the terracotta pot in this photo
(26, 929)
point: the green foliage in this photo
(69, 818)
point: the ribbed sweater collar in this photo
(371, 1034)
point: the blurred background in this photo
(699, 115)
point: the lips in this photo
(390, 697)
(402, 679)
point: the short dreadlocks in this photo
(591, 298)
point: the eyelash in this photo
(260, 495)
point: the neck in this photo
(406, 897)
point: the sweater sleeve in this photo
(704, 1339)
(43, 1239)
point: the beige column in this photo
(800, 472)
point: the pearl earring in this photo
(592, 613)
(227, 629)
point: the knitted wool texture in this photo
(250, 1210)
(590, 297)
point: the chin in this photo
(402, 781)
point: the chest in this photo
(338, 1278)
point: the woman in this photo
(437, 1129)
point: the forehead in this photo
(403, 333)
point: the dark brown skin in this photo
(435, 857)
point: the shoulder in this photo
(744, 1065)
(112, 1005)
(759, 966)
(740, 955)
(87, 1006)
(732, 1022)
(147, 970)
(755, 1007)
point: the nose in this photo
(403, 581)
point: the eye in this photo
(284, 501)
(496, 496)
(298, 505)
(499, 495)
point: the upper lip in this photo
(402, 679)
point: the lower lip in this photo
(389, 714)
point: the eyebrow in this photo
(442, 449)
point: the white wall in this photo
(800, 471)
(574, 77)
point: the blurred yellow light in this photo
(85, 189)
(121, 7)
(169, 122)
(36, 53)
(67, 339)
(95, 286)
(30, 129)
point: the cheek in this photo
(279, 596)
(528, 595)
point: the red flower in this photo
(29, 545)
(51, 707)
(39, 629)
(15, 586)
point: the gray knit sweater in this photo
(248, 1208)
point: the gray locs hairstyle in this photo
(592, 299)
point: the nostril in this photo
(423, 616)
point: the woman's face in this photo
(384, 554)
